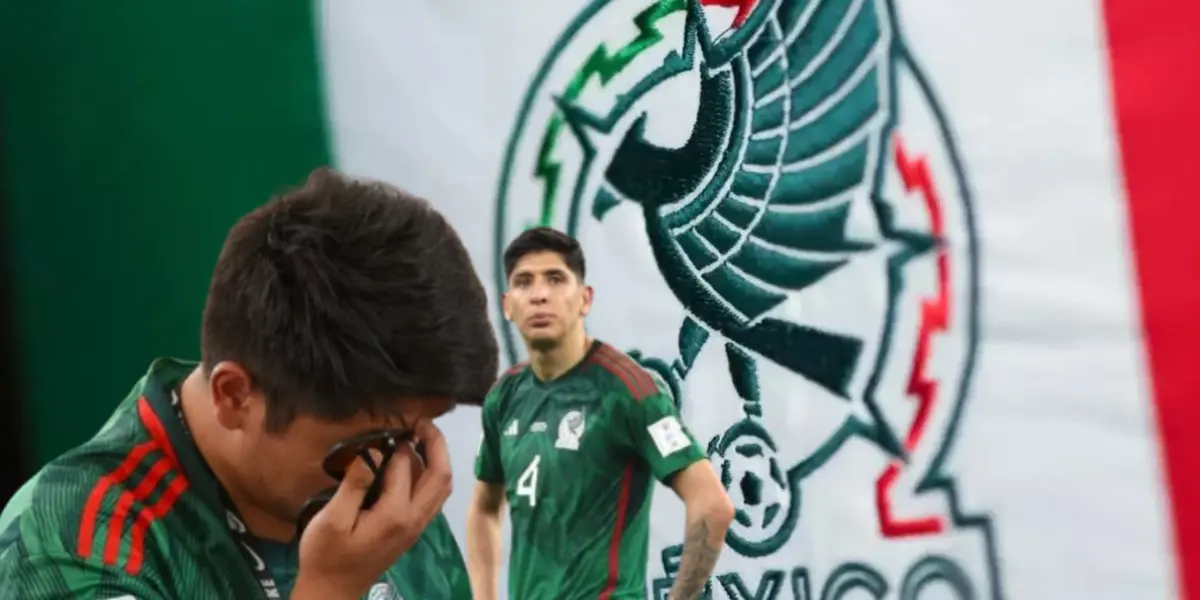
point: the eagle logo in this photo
(774, 207)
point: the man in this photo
(571, 441)
(336, 309)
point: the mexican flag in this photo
(921, 274)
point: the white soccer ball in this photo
(757, 484)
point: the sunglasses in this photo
(342, 456)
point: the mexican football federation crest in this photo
(778, 224)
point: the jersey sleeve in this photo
(54, 575)
(657, 434)
(488, 468)
(39, 558)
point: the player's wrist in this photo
(317, 588)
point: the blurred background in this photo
(1038, 366)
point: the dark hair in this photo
(345, 296)
(545, 239)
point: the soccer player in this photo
(336, 309)
(572, 443)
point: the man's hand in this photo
(709, 512)
(345, 550)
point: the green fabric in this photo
(132, 132)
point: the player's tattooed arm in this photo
(700, 552)
(709, 512)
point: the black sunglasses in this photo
(339, 459)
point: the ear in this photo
(504, 305)
(586, 307)
(234, 396)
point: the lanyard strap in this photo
(237, 527)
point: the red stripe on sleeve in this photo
(95, 501)
(112, 547)
(146, 517)
(637, 381)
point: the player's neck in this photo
(549, 365)
(206, 435)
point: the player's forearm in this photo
(703, 540)
(483, 554)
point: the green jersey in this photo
(577, 457)
(135, 514)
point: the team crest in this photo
(382, 591)
(570, 429)
(778, 225)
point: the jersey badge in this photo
(570, 429)
(383, 591)
(668, 436)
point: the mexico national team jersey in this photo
(133, 513)
(577, 457)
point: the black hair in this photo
(545, 239)
(346, 296)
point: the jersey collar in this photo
(165, 376)
(575, 368)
